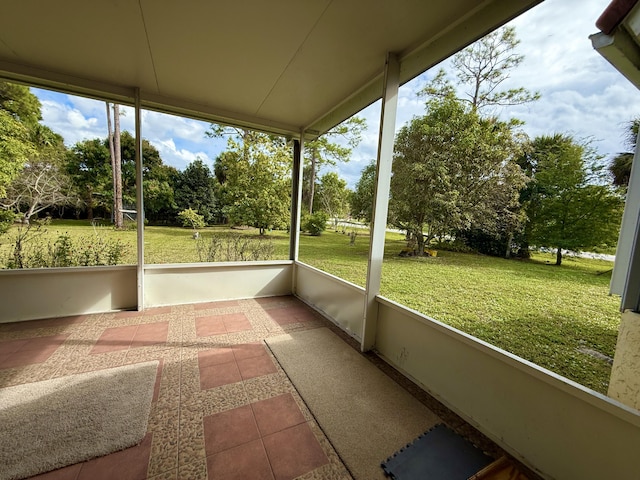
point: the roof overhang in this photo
(619, 40)
(285, 66)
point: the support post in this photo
(380, 199)
(296, 199)
(139, 202)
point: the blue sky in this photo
(581, 93)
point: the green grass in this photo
(533, 309)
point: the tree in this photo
(15, 149)
(19, 114)
(116, 163)
(620, 165)
(482, 68)
(572, 208)
(255, 179)
(20, 103)
(89, 165)
(195, 189)
(361, 199)
(333, 196)
(334, 146)
(450, 168)
(42, 183)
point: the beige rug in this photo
(50, 424)
(366, 415)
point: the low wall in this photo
(557, 427)
(59, 292)
(196, 283)
(339, 300)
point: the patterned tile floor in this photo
(223, 407)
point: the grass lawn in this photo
(540, 312)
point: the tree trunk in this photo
(312, 179)
(507, 253)
(119, 221)
(559, 256)
(420, 243)
(112, 155)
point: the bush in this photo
(7, 218)
(191, 219)
(30, 250)
(315, 223)
(234, 248)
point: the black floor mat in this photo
(439, 454)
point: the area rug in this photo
(439, 454)
(58, 422)
(364, 413)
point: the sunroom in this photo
(297, 69)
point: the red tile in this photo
(11, 346)
(229, 429)
(150, 334)
(215, 356)
(114, 339)
(256, 367)
(249, 350)
(67, 473)
(217, 375)
(236, 322)
(277, 413)
(208, 326)
(40, 343)
(129, 464)
(294, 452)
(17, 353)
(248, 461)
(25, 357)
(289, 315)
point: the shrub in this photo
(191, 219)
(315, 223)
(234, 248)
(7, 218)
(31, 250)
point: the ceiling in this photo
(283, 66)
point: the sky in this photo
(581, 95)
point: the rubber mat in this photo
(439, 454)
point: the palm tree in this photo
(620, 165)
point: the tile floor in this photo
(223, 407)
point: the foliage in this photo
(89, 166)
(43, 183)
(361, 199)
(481, 68)
(15, 149)
(620, 165)
(333, 196)
(191, 219)
(234, 248)
(7, 218)
(195, 189)
(569, 206)
(31, 250)
(255, 180)
(454, 170)
(20, 103)
(315, 223)
(334, 146)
